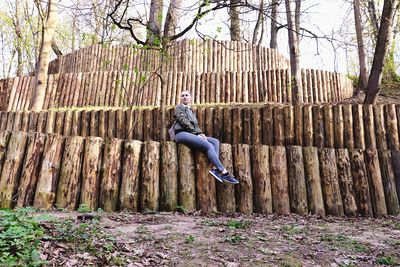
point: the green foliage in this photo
(179, 208)
(234, 239)
(354, 79)
(83, 208)
(387, 260)
(291, 229)
(189, 239)
(241, 224)
(342, 241)
(19, 239)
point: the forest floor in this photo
(176, 239)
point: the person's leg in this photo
(215, 143)
(202, 144)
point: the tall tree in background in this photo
(172, 18)
(362, 58)
(259, 23)
(274, 24)
(43, 63)
(155, 22)
(235, 20)
(18, 33)
(382, 45)
(297, 95)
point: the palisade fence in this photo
(182, 56)
(125, 88)
(47, 171)
(333, 126)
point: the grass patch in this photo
(292, 229)
(189, 239)
(387, 260)
(344, 242)
(238, 224)
(234, 239)
(20, 237)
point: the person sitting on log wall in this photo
(187, 132)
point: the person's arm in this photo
(183, 120)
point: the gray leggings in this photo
(209, 145)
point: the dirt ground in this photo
(174, 239)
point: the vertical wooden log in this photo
(261, 179)
(4, 139)
(328, 126)
(242, 166)
(308, 139)
(313, 181)
(67, 123)
(288, 114)
(85, 123)
(278, 126)
(391, 127)
(187, 183)
(279, 180)
(380, 131)
(112, 124)
(237, 126)
(359, 141)
(91, 172)
(10, 121)
(149, 189)
(389, 184)
(346, 182)
(17, 121)
(348, 127)
(227, 126)
(226, 191)
(51, 116)
(396, 170)
(109, 186)
(11, 171)
(129, 195)
(330, 182)
(360, 179)
(33, 118)
(30, 170)
(247, 126)
(25, 121)
(297, 183)
(339, 126)
(298, 125)
(267, 126)
(370, 139)
(46, 188)
(205, 184)
(76, 123)
(69, 180)
(375, 183)
(59, 123)
(318, 124)
(169, 177)
(147, 125)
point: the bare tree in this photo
(362, 58)
(382, 45)
(43, 63)
(297, 96)
(172, 18)
(155, 22)
(235, 21)
(260, 22)
(274, 26)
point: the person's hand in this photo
(203, 136)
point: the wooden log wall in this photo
(184, 56)
(115, 174)
(127, 88)
(338, 126)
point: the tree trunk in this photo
(19, 40)
(297, 96)
(274, 27)
(373, 17)
(260, 21)
(155, 22)
(171, 21)
(362, 59)
(382, 44)
(235, 22)
(43, 63)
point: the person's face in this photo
(185, 98)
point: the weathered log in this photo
(205, 184)
(391, 126)
(389, 184)
(346, 182)
(256, 126)
(297, 183)
(348, 127)
(313, 181)
(288, 114)
(129, 194)
(51, 116)
(267, 126)
(45, 194)
(318, 126)
(330, 182)
(278, 126)
(237, 124)
(149, 188)
(308, 139)
(339, 126)
(375, 182)
(369, 127)
(360, 179)
(298, 125)
(91, 172)
(247, 137)
(30, 170)
(111, 170)
(11, 171)
(242, 167)
(261, 179)
(328, 126)
(169, 177)
(70, 172)
(187, 183)
(226, 191)
(396, 170)
(59, 122)
(67, 123)
(279, 180)
(380, 130)
(358, 127)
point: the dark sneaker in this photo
(217, 174)
(229, 178)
